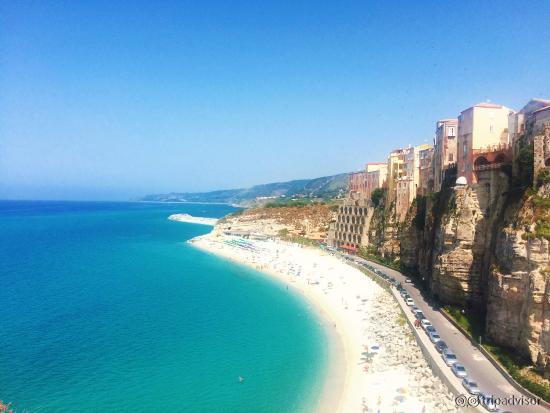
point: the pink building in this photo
(444, 155)
(358, 182)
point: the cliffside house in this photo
(445, 148)
(483, 141)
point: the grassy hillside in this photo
(324, 187)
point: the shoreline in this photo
(336, 368)
(356, 314)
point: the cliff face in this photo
(477, 247)
(518, 302)
(383, 231)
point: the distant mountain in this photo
(325, 187)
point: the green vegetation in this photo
(371, 255)
(542, 218)
(470, 322)
(377, 196)
(519, 368)
(298, 239)
(525, 161)
(543, 178)
(419, 219)
(283, 202)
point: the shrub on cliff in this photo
(377, 196)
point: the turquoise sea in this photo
(105, 308)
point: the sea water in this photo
(105, 308)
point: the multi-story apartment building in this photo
(425, 179)
(376, 176)
(350, 231)
(395, 170)
(482, 130)
(358, 182)
(408, 183)
(529, 118)
(445, 148)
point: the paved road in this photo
(487, 376)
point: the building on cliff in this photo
(445, 148)
(396, 170)
(358, 182)
(377, 173)
(482, 139)
(350, 231)
(408, 183)
(425, 177)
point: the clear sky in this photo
(111, 100)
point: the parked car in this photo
(408, 280)
(441, 346)
(425, 323)
(430, 329)
(449, 357)
(488, 402)
(459, 370)
(410, 302)
(434, 337)
(419, 315)
(470, 385)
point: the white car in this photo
(410, 302)
(449, 357)
(470, 385)
(434, 337)
(459, 370)
(488, 402)
(425, 323)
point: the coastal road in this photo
(479, 368)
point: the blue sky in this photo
(112, 100)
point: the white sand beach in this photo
(193, 220)
(382, 368)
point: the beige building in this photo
(425, 179)
(530, 118)
(376, 176)
(482, 129)
(444, 155)
(408, 183)
(395, 170)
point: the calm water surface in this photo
(106, 308)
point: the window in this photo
(451, 131)
(451, 157)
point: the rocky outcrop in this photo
(518, 302)
(384, 231)
(308, 221)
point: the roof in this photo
(542, 109)
(488, 105)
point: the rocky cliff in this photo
(482, 248)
